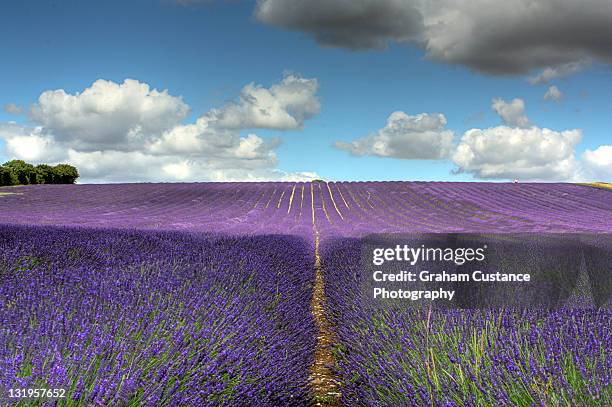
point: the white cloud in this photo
(135, 166)
(553, 93)
(33, 147)
(201, 139)
(296, 176)
(525, 153)
(119, 166)
(13, 109)
(29, 144)
(178, 170)
(515, 150)
(233, 175)
(561, 71)
(512, 37)
(109, 115)
(410, 137)
(128, 132)
(250, 147)
(598, 163)
(192, 139)
(518, 149)
(512, 113)
(283, 106)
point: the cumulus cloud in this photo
(30, 144)
(598, 163)
(13, 109)
(421, 136)
(553, 93)
(525, 153)
(122, 166)
(108, 115)
(283, 106)
(129, 132)
(201, 139)
(503, 38)
(518, 149)
(512, 113)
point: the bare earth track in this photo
(324, 385)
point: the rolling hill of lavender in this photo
(201, 294)
(344, 208)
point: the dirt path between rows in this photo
(325, 386)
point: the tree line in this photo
(19, 172)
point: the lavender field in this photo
(336, 209)
(246, 294)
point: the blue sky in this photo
(207, 52)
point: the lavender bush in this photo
(390, 353)
(148, 318)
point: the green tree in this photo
(7, 177)
(23, 171)
(65, 174)
(44, 174)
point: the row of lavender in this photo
(341, 208)
(394, 353)
(155, 318)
